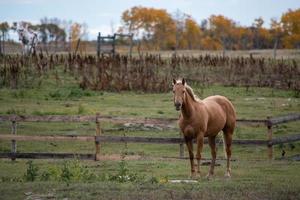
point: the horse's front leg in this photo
(200, 141)
(189, 144)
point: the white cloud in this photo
(103, 29)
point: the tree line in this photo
(51, 30)
(156, 29)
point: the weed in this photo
(76, 93)
(31, 172)
(57, 94)
(11, 179)
(160, 112)
(80, 109)
(66, 173)
(123, 175)
(19, 94)
(45, 176)
(13, 111)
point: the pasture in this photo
(142, 171)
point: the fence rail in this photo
(92, 118)
(283, 119)
(47, 156)
(99, 138)
(104, 138)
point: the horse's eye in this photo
(173, 91)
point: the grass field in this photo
(147, 166)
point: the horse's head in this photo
(179, 93)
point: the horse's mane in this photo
(191, 93)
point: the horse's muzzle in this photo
(178, 106)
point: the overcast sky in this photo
(100, 14)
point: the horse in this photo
(204, 118)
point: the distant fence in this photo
(98, 138)
(107, 44)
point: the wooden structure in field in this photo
(98, 138)
(1, 45)
(107, 44)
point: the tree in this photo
(291, 28)
(192, 34)
(179, 18)
(75, 35)
(51, 30)
(261, 36)
(4, 28)
(276, 32)
(222, 30)
(154, 26)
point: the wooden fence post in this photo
(114, 45)
(1, 45)
(270, 136)
(98, 44)
(97, 142)
(181, 147)
(13, 142)
(131, 44)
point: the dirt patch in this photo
(119, 157)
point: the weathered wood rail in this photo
(116, 139)
(92, 118)
(98, 138)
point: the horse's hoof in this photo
(227, 175)
(193, 175)
(209, 176)
(198, 175)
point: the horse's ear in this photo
(183, 81)
(174, 81)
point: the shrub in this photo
(80, 109)
(123, 174)
(31, 172)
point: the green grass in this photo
(253, 176)
(251, 180)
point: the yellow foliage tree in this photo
(222, 30)
(192, 34)
(75, 36)
(210, 43)
(155, 26)
(291, 28)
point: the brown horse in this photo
(204, 118)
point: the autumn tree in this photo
(261, 36)
(192, 34)
(276, 33)
(291, 28)
(221, 28)
(75, 35)
(152, 25)
(244, 38)
(159, 30)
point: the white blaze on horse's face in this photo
(179, 93)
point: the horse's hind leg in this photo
(213, 149)
(227, 133)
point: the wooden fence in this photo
(98, 137)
